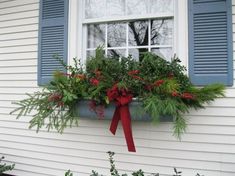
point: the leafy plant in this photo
(114, 172)
(68, 173)
(4, 167)
(162, 87)
(54, 105)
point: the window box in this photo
(83, 110)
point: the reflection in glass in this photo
(90, 53)
(95, 8)
(115, 7)
(96, 35)
(137, 7)
(137, 53)
(138, 33)
(117, 53)
(161, 32)
(165, 53)
(160, 6)
(116, 34)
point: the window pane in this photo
(95, 8)
(137, 53)
(137, 7)
(96, 35)
(90, 53)
(161, 6)
(115, 7)
(138, 33)
(117, 52)
(165, 53)
(161, 32)
(116, 34)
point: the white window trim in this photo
(76, 33)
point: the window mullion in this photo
(106, 39)
(127, 39)
(149, 35)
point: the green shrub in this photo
(4, 167)
(115, 172)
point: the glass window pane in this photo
(95, 8)
(138, 33)
(160, 6)
(165, 53)
(116, 34)
(115, 7)
(96, 35)
(161, 32)
(137, 53)
(137, 7)
(90, 53)
(117, 52)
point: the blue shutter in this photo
(210, 42)
(53, 38)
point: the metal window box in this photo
(83, 110)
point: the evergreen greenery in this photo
(162, 86)
(4, 167)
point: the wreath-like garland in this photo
(161, 86)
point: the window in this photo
(122, 27)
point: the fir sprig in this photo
(162, 86)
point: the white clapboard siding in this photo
(18, 56)
(19, 22)
(208, 147)
(14, 43)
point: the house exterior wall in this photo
(208, 147)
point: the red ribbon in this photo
(122, 99)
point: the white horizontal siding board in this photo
(74, 151)
(7, 104)
(205, 120)
(19, 22)
(120, 141)
(20, 42)
(16, 29)
(18, 56)
(20, 15)
(19, 76)
(230, 92)
(19, 49)
(154, 158)
(17, 9)
(161, 136)
(228, 102)
(18, 70)
(214, 111)
(16, 3)
(18, 83)
(18, 171)
(18, 90)
(19, 63)
(153, 162)
(20, 35)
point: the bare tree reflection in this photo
(139, 35)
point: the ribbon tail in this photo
(126, 125)
(115, 120)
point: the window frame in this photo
(77, 34)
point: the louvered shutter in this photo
(210, 42)
(53, 38)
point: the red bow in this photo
(122, 99)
